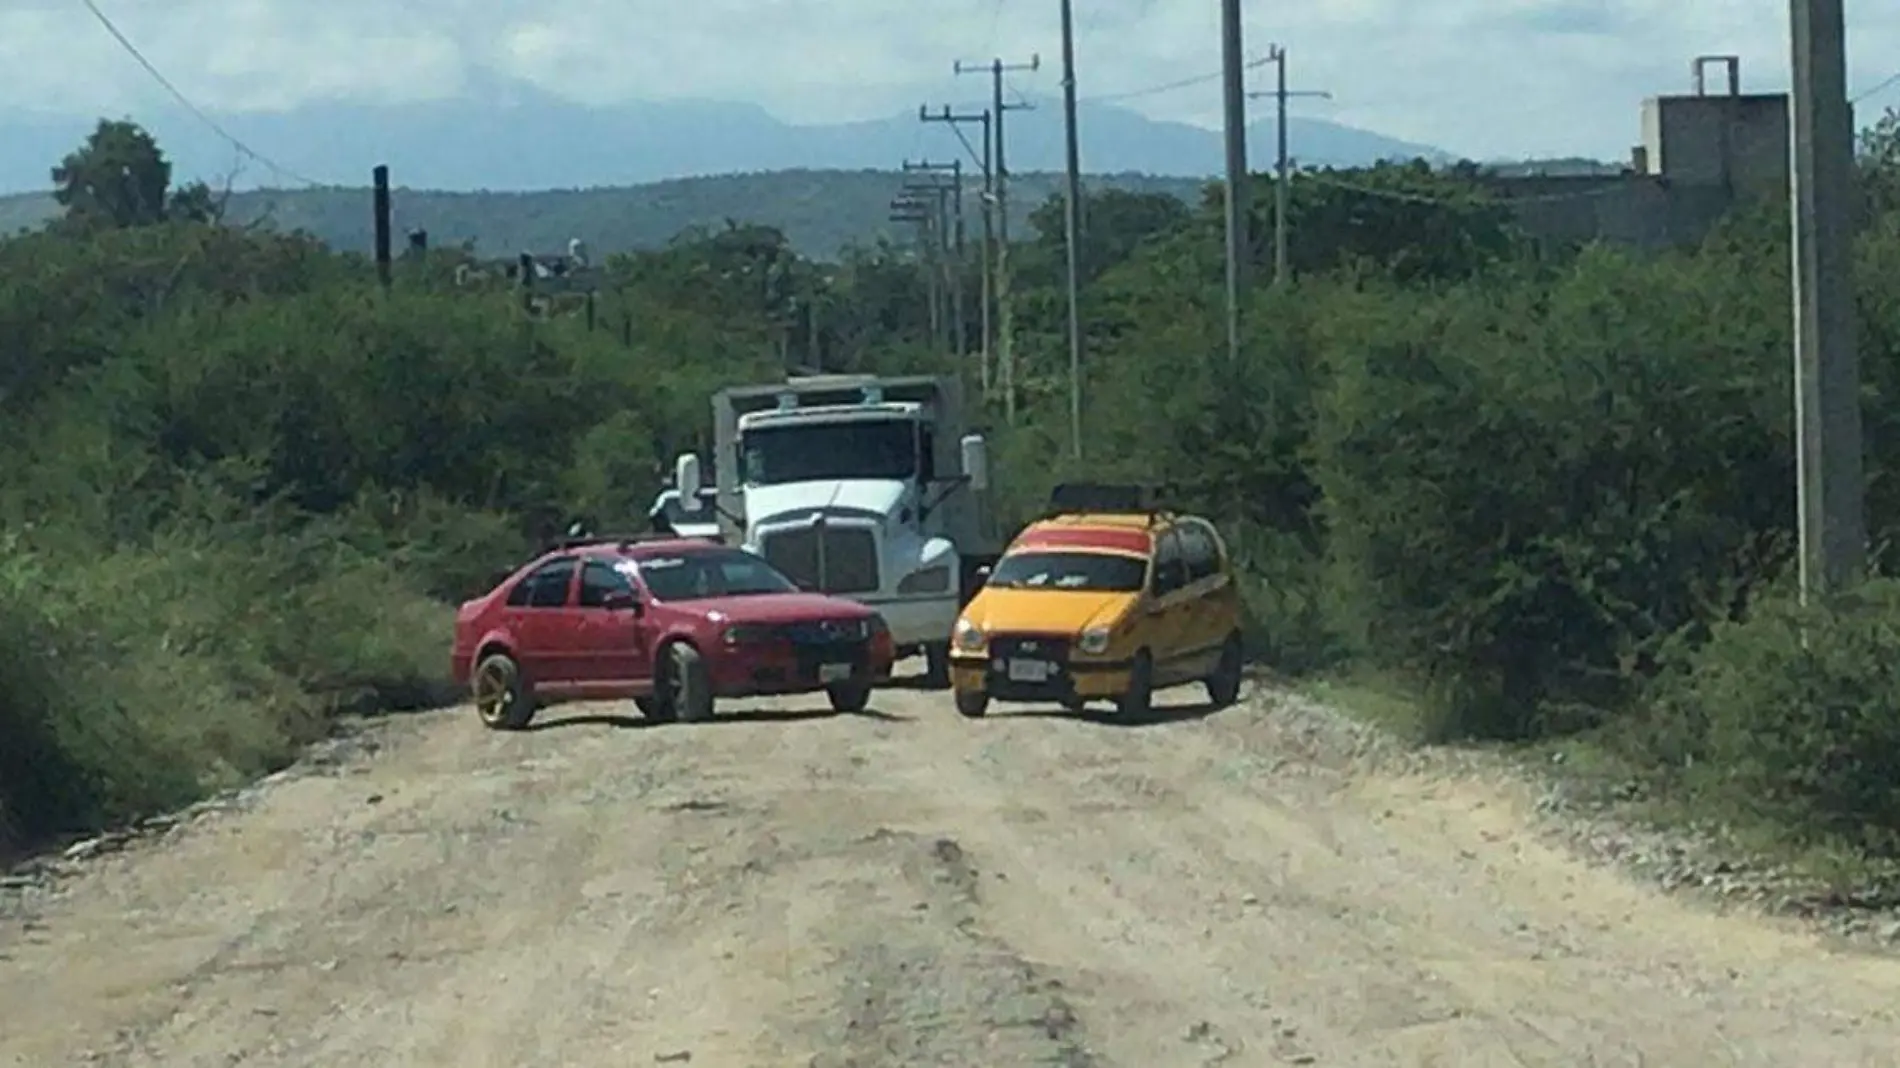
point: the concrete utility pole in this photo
(1234, 94)
(950, 199)
(1282, 168)
(989, 222)
(1005, 340)
(1072, 226)
(1830, 483)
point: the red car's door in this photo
(540, 616)
(613, 640)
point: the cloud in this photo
(1484, 77)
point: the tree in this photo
(1880, 163)
(120, 178)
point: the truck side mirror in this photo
(976, 461)
(686, 481)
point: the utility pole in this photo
(950, 196)
(1006, 345)
(1283, 173)
(1072, 226)
(989, 221)
(379, 199)
(906, 208)
(1234, 94)
(1830, 483)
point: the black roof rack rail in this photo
(1068, 498)
(585, 540)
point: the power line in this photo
(185, 101)
(1169, 87)
(1885, 84)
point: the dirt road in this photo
(901, 889)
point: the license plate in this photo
(1028, 671)
(833, 672)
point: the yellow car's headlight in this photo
(969, 637)
(1094, 641)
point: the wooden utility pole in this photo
(950, 223)
(1830, 482)
(1005, 331)
(1282, 171)
(379, 184)
(1072, 226)
(1234, 99)
(989, 226)
(907, 208)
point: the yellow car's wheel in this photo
(972, 704)
(1223, 686)
(1139, 698)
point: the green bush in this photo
(1792, 717)
(137, 678)
(1527, 487)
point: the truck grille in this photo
(850, 557)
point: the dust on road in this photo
(902, 889)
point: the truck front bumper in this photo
(917, 621)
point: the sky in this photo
(1480, 78)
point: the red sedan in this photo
(671, 623)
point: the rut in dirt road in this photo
(901, 888)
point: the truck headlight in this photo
(968, 636)
(929, 580)
(1094, 641)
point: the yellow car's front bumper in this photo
(1080, 679)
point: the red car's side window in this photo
(546, 586)
(600, 582)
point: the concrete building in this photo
(1702, 153)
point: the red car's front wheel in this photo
(501, 699)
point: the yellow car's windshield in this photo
(1081, 572)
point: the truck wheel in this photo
(689, 687)
(937, 666)
(501, 699)
(849, 697)
(971, 704)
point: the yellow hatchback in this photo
(1105, 600)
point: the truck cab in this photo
(858, 486)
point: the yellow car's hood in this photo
(1000, 608)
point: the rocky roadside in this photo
(29, 886)
(1603, 823)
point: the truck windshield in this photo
(809, 452)
(1092, 572)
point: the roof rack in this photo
(1124, 498)
(586, 540)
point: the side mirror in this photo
(686, 479)
(976, 461)
(621, 601)
(982, 576)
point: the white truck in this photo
(866, 487)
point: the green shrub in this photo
(1792, 716)
(1528, 486)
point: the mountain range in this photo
(507, 168)
(508, 136)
